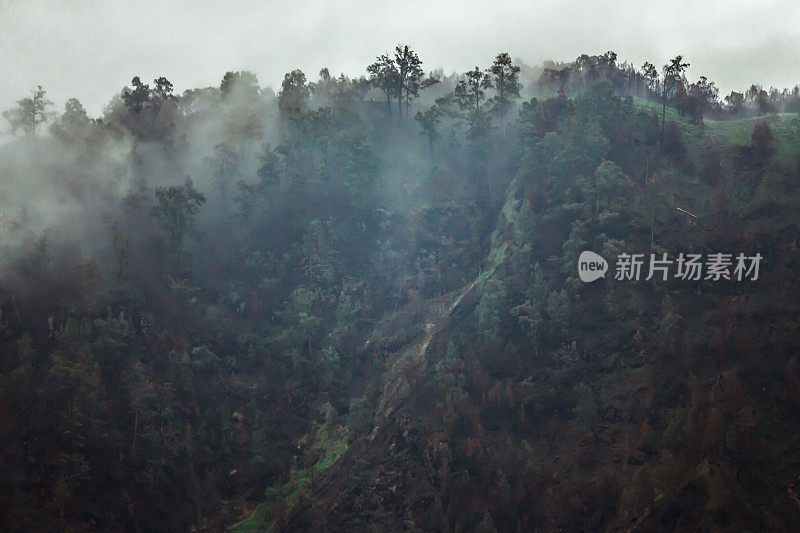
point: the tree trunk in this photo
(400, 106)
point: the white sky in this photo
(90, 49)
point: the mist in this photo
(277, 268)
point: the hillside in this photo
(323, 310)
(651, 406)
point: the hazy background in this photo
(90, 49)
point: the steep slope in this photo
(535, 401)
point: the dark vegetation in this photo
(355, 303)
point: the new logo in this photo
(591, 266)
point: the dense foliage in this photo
(356, 302)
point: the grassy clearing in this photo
(785, 128)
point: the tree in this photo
(268, 168)
(506, 81)
(758, 98)
(30, 113)
(530, 313)
(121, 244)
(470, 94)
(294, 93)
(701, 96)
(144, 106)
(673, 76)
(298, 327)
(383, 75)
(429, 123)
(224, 167)
(608, 65)
(409, 76)
(338, 92)
(137, 98)
(558, 310)
(491, 300)
(318, 255)
(250, 195)
(241, 84)
(556, 79)
(734, 102)
(72, 123)
(650, 77)
(175, 211)
(358, 165)
(162, 89)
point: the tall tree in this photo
(673, 76)
(650, 77)
(409, 76)
(470, 95)
(30, 113)
(294, 93)
(506, 82)
(429, 123)
(175, 211)
(383, 75)
(470, 92)
(138, 97)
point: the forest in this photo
(354, 305)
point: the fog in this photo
(89, 50)
(301, 266)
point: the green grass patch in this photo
(330, 443)
(785, 128)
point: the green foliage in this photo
(506, 82)
(294, 93)
(340, 278)
(175, 211)
(346, 313)
(531, 313)
(491, 303)
(429, 121)
(359, 165)
(298, 325)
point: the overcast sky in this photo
(90, 49)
